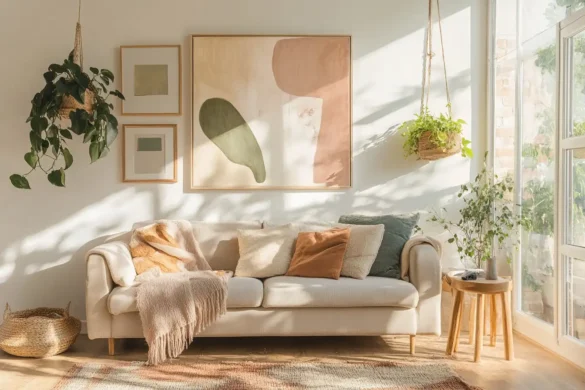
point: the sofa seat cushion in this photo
(373, 291)
(242, 293)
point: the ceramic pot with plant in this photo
(433, 137)
(487, 218)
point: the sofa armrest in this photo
(98, 286)
(119, 261)
(425, 274)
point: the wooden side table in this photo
(482, 287)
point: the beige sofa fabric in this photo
(98, 286)
(260, 322)
(290, 291)
(242, 293)
(117, 256)
(265, 253)
(219, 242)
(425, 275)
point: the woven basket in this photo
(38, 332)
(427, 150)
(69, 104)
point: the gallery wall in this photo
(45, 232)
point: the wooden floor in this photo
(533, 368)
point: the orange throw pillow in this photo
(319, 254)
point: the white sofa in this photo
(278, 306)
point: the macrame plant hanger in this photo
(427, 150)
(69, 102)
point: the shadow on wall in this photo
(46, 232)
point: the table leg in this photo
(454, 321)
(493, 320)
(458, 329)
(507, 322)
(479, 327)
(471, 325)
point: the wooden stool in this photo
(481, 287)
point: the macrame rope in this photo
(426, 84)
(78, 45)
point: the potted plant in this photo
(434, 137)
(92, 118)
(487, 218)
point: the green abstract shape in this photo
(227, 129)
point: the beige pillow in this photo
(362, 249)
(265, 253)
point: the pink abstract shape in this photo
(320, 67)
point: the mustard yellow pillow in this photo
(319, 254)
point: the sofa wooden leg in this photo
(412, 344)
(111, 350)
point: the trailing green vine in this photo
(49, 133)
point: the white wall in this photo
(45, 232)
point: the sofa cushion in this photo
(397, 230)
(265, 253)
(219, 242)
(242, 293)
(291, 291)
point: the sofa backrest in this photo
(219, 241)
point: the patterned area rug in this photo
(252, 375)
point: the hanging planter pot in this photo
(428, 136)
(428, 150)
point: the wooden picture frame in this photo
(152, 131)
(197, 184)
(154, 102)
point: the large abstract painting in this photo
(271, 112)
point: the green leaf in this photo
(57, 177)
(108, 74)
(31, 159)
(45, 145)
(39, 124)
(111, 134)
(52, 131)
(79, 119)
(19, 181)
(66, 134)
(35, 141)
(68, 158)
(94, 70)
(49, 76)
(89, 134)
(451, 240)
(79, 94)
(57, 68)
(117, 94)
(94, 151)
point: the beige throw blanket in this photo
(178, 295)
(414, 241)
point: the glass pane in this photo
(505, 115)
(576, 206)
(539, 15)
(538, 174)
(576, 298)
(505, 27)
(577, 47)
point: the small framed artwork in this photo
(151, 80)
(150, 153)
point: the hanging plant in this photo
(72, 102)
(434, 137)
(49, 135)
(431, 137)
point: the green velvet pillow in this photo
(397, 230)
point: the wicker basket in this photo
(427, 150)
(69, 104)
(38, 332)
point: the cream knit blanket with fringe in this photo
(175, 307)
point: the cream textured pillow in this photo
(265, 253)
(362, 249)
